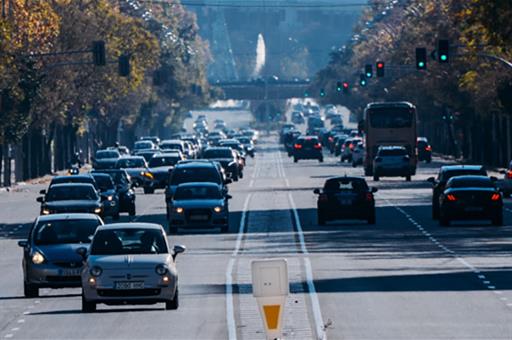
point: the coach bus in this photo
(390, 124)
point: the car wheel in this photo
(354, 165)
(87, 306)
(371, 218)
(375, 178)
(30, 291)
(295, 160)
(321, 219)
(241, 175)
(148, 190)
(408, 178)
(444, 221)
(498, 219)
(435, 211)
(174, 303)
(321, 160)
(131, 212)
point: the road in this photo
(403, 278)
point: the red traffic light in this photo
(380, 65)
(345, 85)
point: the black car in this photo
(307, 147)
(85, 178)
(160, 167)
(345, 198)
(136, 167)
(194, 171)
(227, 158)
(105, 159)
(289, 140)
(424, 150)
(124, 189)
(470, 198)
(445, 173)
(71, 198)
(108, 194)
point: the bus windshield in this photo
(391, 117)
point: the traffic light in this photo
(368, 70)
(346, 87)
(339, 86)
(421, 58)
(124, 65)
(306, 94)
(98, 53)
(322, 93)
(380, 69)
(362, 80)
(443, 50)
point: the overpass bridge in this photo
(263, 90)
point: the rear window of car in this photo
(128, 241)
(422, 144)
(65, 231)
(446, 175)
(308, 141)
(164, 161)
(131, 163)
(356, 185)
(143, 145)
(107, 154)
(218, 153)
(193, 174)
(392, 152)
(470, 183)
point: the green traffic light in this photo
(421, 64)
(363, 83)
(368, 75)
(306, 94)
(444, 57)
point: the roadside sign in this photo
(270, 287)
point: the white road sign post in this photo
(270, 287)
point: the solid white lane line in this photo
(230, 308)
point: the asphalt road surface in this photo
(403, 278)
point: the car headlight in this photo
(95, 271)
(37, 258)
(97, 210)
(46, 211)
(179, 210)
(161, 269)
(110, 198)
(217, 209)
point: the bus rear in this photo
(390, 124)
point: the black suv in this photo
(308, 147)
(445, 173)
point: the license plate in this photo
(199, 217)
(70, 272)
(474, 209)
(125, 285)
(346, 202)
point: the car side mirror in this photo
(82, 251)
(40, 199)
(431, 180)
(493, 178)
(374, 190)
(42, 192)
(228, 197)
(178, 249)
(316, 191)
(23, 244)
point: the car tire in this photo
(148, 191)
(435, 211)
(295, 160)
(174, 303)
(30, 291)
(132, 210)
(321, 219)
(241, 175)
(87, 306)
(408, 178)
(371, 219)
(375, 178)
(498, 219)
(354, 165)
(321, 160)
(444, 221)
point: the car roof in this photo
(81, 176)
(470, 177)
(195, 164)
(195, 184)
(130, 225)
(73, 216)
(219, 148)
(131, 157)
(59, 185)
(350, 178)
(100, 174)
(171, 141)
(461, 167)
(377, 105)
(167, 154)
(389, 147)
(108, 171)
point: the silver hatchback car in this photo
(129, 263)
(49, 254)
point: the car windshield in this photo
(65, 231)
(130, 163)
(385, 118)
(71, 192)
(163, 161)
(218, 153)
(191, 174)
(337, 185)
(470, 183)
(104, 182)
(446, 175)
(128, 241)
(143, 145)
(197, 192)
(72, 179)
(392, 152)
(107, 154)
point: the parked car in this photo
(49, 257)
(392, 161)
(345, 198)
(150, 276)
(199, 205)
(470, 198)
(424, 150)
(307, 147)
(445, 173)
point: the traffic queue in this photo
(69, 244)
(459, 192)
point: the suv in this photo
(307, 147)
(194, 171)
(392, 161)
(424, 150)
(445, 173)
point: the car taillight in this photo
(322, 197)
(298, 146)
(351, 146)
(369, 196)
(318, 146)
(451, 197)
(509, 174)
(495, 197)
(331, 139)
(428, 148)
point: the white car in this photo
(392, 161)
(358, 155)
(129, 263)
